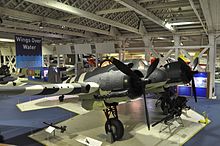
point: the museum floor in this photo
(28, 120)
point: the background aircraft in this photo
(6, 79)
(103, 88)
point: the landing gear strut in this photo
(113, 125)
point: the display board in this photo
(37, 73)
(83, 49)
(28, 51)
(63, 49)
(201, 83)
(7, 51)
(102, 48)
(49, 50)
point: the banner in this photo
(28, 51)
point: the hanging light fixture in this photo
(41, 25)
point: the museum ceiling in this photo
(88, 21)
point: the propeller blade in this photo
(194, 89)
(146, 110)
(195, 62)
(152, 67)
(189, 74)
(186, 70)
(123, 68)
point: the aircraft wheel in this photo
(61, 98)
(116, 126)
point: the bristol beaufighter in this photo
(104, 87)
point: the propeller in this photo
(186, 70)
(126, 70)
(195, 62)
(152, 67)
(146, 109)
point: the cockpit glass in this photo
(145, 62)
(141, 65)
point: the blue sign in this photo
(200, 79)
(28, 51)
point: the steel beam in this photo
(197, 14)
(76, 11)
(109, 11)
(47, 29)
(154, 6)
(31, 17)
(147, 14)
(205, 5)
(27, 32)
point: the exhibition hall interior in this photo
(109, 72)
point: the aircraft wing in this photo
(46, 89)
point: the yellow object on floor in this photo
(205, 120)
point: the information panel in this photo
(83, 48)
(201, 85)
(105, 47)
(63, 49)
(49, 50)
(28, 51)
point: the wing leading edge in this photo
(46, 89)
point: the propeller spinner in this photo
(143, 81)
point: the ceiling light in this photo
(183, 23)
(41, 25)
(169, 26)
(161, 38)
(6, 40)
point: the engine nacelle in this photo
(174, 72)
(111, 81)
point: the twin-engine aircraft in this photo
(104, 87)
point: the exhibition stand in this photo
(201, 83)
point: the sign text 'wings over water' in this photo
(28, 51)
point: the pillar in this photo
(176, 39)
(211, 64)
(58, 60)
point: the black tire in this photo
(61, 98)
(116, 126)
